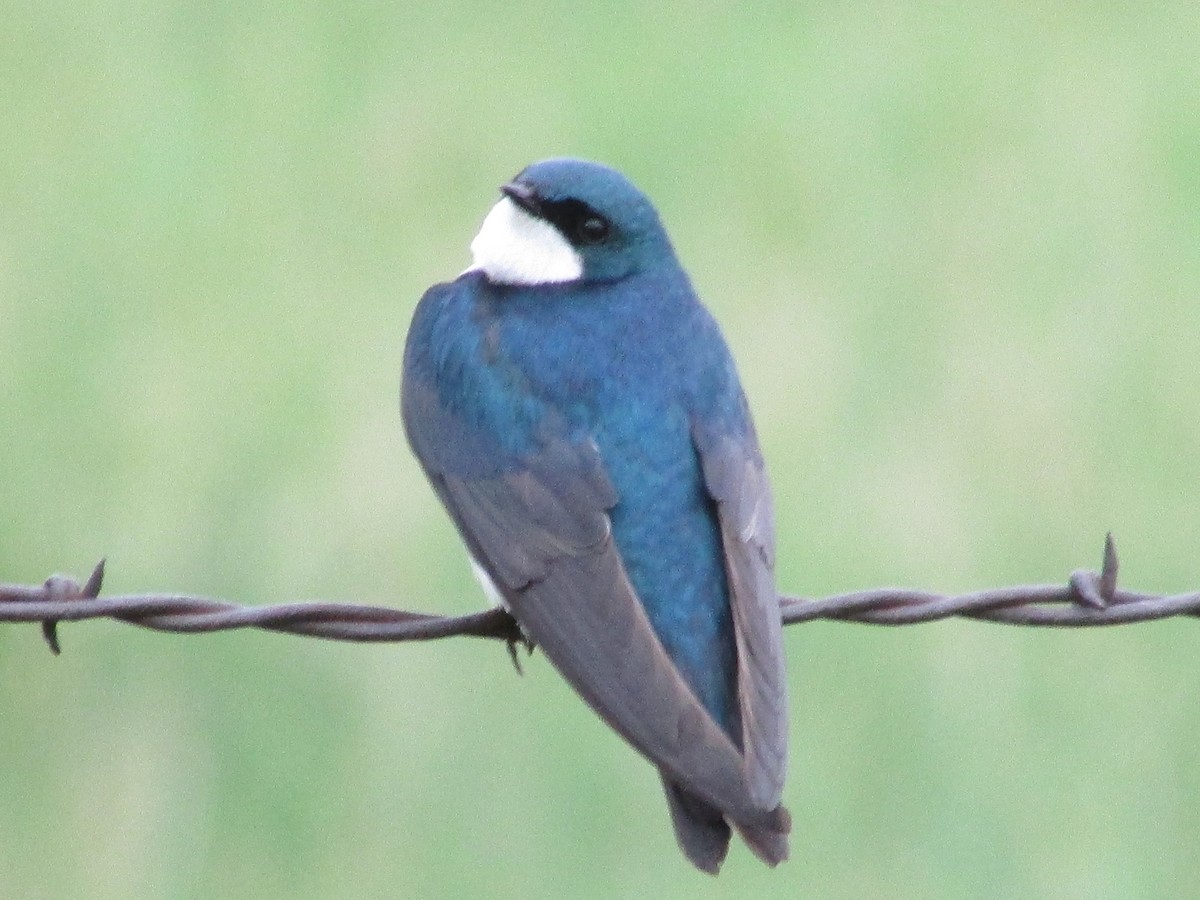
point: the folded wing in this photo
(539, 526)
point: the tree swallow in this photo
(578, 413)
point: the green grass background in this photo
(956, 249)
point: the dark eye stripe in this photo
(578, 222)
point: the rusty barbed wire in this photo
(1087, 599)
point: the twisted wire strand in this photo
(1087, 599)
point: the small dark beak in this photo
(524, 196)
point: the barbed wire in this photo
(1087, 599)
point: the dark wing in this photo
(540, 528)
(736, 478)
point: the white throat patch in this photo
(514, 247)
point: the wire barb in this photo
(64, 588)
(1087, 599)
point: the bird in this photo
(578, 413)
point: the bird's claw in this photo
(515, 640)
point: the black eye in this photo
(576, 221)
(591, 229)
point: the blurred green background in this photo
(956, 249)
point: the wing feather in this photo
(539, 526)
(736, 478)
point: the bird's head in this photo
(566, 220)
